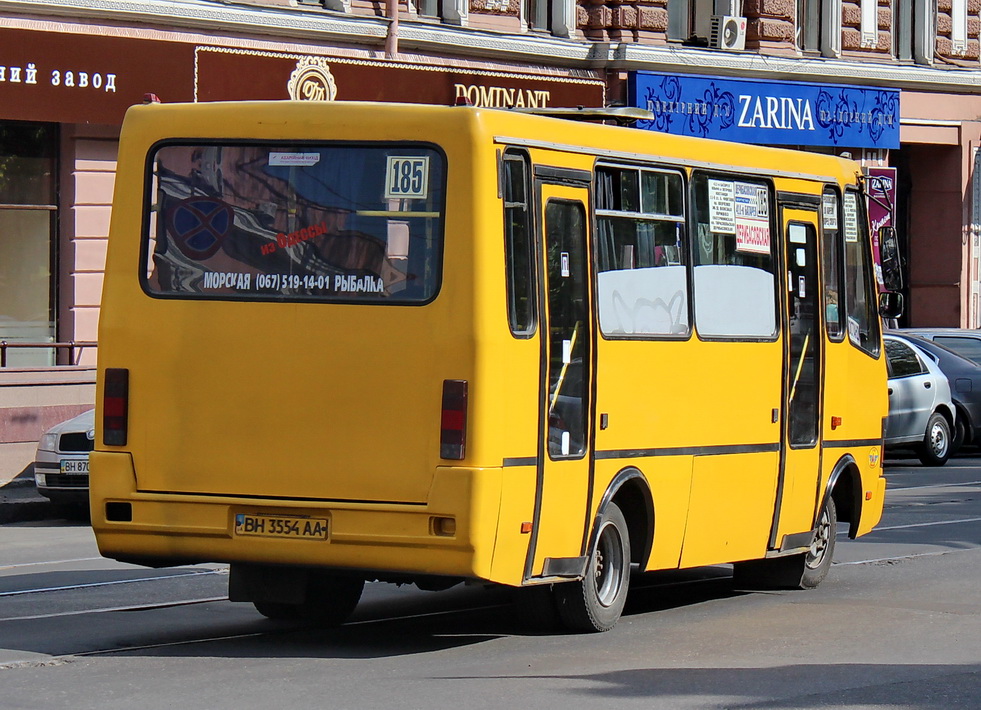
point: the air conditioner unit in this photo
(728, 32)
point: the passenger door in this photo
(800, 464)
(565, 421)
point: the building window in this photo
(555, 16)
(809, 25)
(428, 8)
(819, 27)
(914, 30)
(690, 21)
(28, 216)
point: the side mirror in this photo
(890, 304)
(892, 266)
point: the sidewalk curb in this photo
(20, 502)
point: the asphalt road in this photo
(897, 624)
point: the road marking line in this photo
(107, 584)
(52, 562)
(902, 557)
(927, 525)
(99, 610)
(933, 485)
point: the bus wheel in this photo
(817, 560)
(330, 600)
(935, 449)
(801, 571)
(595, 602)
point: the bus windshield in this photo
(236, 221)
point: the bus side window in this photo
(641, 252)
(518, 244)
(860, 300)
(831, 264)
(734, 274)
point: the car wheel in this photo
(330, 600)
(935, 449)
(595, 602)
(959, 436)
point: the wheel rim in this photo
(821, 541)
(938, 439)
(608, 565)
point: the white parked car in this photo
(61, 465)
(921, 411)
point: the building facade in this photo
(895, 83)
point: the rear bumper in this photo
(166, 529)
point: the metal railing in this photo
(74, 348)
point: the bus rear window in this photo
(236, 221)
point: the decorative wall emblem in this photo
(312, 80)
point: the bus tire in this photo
(935, 449)
(817, 560)
(595, 602)
(330, 600)
(801, 571)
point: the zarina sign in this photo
(768, 112)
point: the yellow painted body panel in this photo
(333, 410)
(731, 508)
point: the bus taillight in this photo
(453, 420)
(115, 406)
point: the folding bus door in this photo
(802, 389)
(565, 439)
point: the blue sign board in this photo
(767, 112)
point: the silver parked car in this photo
(963, 341)
(61, 465)
(921, 411)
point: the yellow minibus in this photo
(345, 342)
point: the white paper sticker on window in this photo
(567, 352)
(801, 257)
(564, 264)
(722, 213)
(301, 160)
(566, 443)
(407, 177)
(851, 217)
(829, 209)
(802, 287)
(752, 217)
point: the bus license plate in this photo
(75, 466)
(281, 526)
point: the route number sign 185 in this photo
(407, 177)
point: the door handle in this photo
(890, 391)
(927, 385)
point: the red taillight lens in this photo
(453, 420)
(115, 406)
